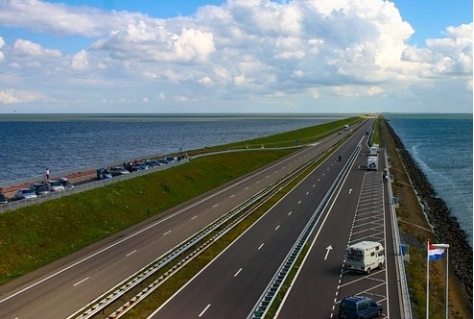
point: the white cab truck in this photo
(346, 127)
(365, 256)
(374, 150)
(372, 163)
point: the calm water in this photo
(441, 144)
(30, 143)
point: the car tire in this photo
(368, 271)
(379, 313)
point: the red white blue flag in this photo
(436, 251)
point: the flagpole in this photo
(447, 279)
(428, 279)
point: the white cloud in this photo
(239, 50)
(11, 97)
(80, 61)
(27, 48)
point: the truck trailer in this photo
(364, 256)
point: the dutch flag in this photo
(436, 251)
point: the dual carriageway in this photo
(233, 284)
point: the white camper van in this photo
(365, 256)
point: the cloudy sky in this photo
(146, 56)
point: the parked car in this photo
(103, 173)
(66, 183)
(117, 171)
(40, 189)
(152, 163)
(3, 199)
(55, 185)
(355, 307)
(25, 193)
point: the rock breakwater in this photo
(445, 226)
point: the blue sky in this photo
(235, 56)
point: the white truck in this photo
(346, 127)
(364, 256)
(374, 150)
(372, 163)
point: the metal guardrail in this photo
(268, 297)
(120, 290)
(15, 204)
(403, 287)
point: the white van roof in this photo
(366, 244)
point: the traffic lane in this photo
(274, 234)
(319, 276)
(111, 262)
(369, 224)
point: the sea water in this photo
(442, 146)
(30, 143)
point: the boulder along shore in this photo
(444, 225)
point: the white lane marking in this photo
(350, 190)
(168, 232)
(232, 195)
(194, 217)
(80, 282)
(238, 272)
(291, 212)
(131, 253)
(104, 249)
(215, 205)
(277, 227)
(205, 309)
(260, 247)
(299, 202)
(307, 193)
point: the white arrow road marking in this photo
(350, 190)
(328, 249)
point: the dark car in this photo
(103, 173)
(3, 199)
(355, 307)
(40, 189)
(152, 163)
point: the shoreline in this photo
(437, 214)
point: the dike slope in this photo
(439, 224)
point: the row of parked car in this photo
(127, 168)
(41, 189)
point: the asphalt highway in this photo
(231, 285)
(63, 287)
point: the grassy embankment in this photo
(34, 236)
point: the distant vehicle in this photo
(103, 173)
(25, 193)
(55, 185)
(66, 183)
(40, 189)
(346, 127)
(117, 171)
(374, 150)
(3, 199)
(364, 256)
(152, 163)
(356, 307)
(372, 163)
